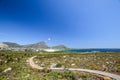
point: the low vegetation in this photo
(109, 62)
(18, 68)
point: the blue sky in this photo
(74, 23)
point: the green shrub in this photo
(58, 65)
(118, 68)
(45, 70)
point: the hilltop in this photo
(38, 45)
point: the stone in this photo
(27, 61)
(28, 75)
(8, 69)
(53, 66)
(72, 64)
(107, 78)
(42, 65)
(64, 57)
(5, 61)
(36, 62)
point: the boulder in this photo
(107, 78)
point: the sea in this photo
(91, 50)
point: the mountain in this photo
(39, 45)
(12, 45)
(2, 45)
(59, 47)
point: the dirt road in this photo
(114, 76)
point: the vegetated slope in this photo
(20, 69)
(109, 62)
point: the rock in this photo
(72, 64)
(42, 65)
(107, 62)
(8, 69)
(107, 78)
(64, 57)
(80, 79)
(53, 66)
(5, 61)
(16, 59)
(36, 62)
(28, 75)
(27, 61)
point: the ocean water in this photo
(92, 50)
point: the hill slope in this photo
(39, 45)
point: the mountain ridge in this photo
(38, 45)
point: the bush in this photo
(59, 65)
(45, 70)
(118, 68)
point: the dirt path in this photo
(114, 76)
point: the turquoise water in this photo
(92, 50)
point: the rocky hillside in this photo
(2, 45)
(11, 44)
(59, 47)
(39, 45)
